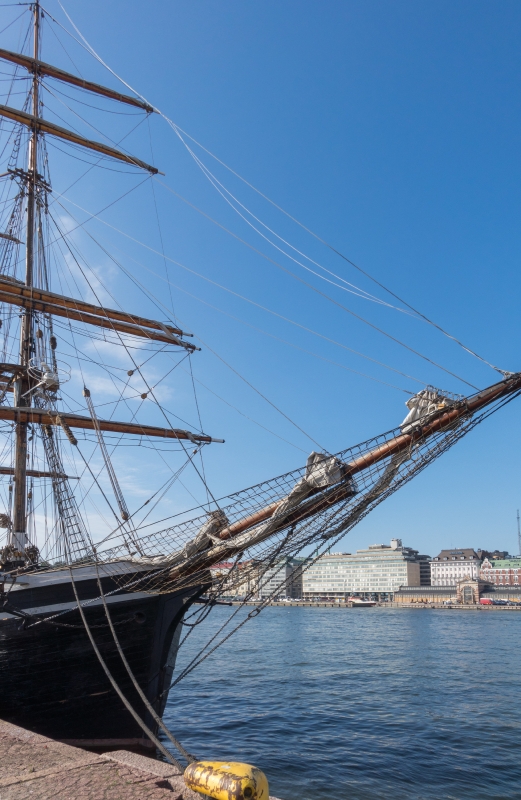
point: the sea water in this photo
(365, 704)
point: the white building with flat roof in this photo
(282, 580)
(379, 570)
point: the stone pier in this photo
(33, 767)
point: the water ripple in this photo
(361, 703)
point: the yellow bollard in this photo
(227, 780)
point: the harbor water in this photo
(365, 704)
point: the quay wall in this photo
(417, 606)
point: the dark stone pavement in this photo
(33, 767)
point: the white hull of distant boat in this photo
(356, 603)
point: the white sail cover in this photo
(422, 405)
(321, 471)
(206, 535)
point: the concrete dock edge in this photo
(35, 767)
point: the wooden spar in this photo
(396, 445)
(42, 417)
(42, 126)
(10, 238)
(5, 367)
(249, 522)
(327, 498)
(41, 68)
(100, 322)
(11, 287)
(309, 508)
(36, 473)
(445, 420)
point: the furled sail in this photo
(422, 405)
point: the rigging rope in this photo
(177, 129)
(220, 286)
(160, 746)
(362, 293)
(106, 458)
(340, 305)
(91, 50)
(151, 710)
(150, 388)
(86, 45)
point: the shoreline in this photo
(416, 606)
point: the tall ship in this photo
(90, 624)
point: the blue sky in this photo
(389, 129)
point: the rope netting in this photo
(229, 550)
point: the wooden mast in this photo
(32, 299)
(21, 386)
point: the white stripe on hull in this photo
(57, 607)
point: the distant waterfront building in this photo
(235, 580)
(425, 570)
(501, 572)
(380, 570)
(283, 580)
(467, 591)
(451, 566)
(425, 595)
(497, 555)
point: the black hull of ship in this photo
(50, 677)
